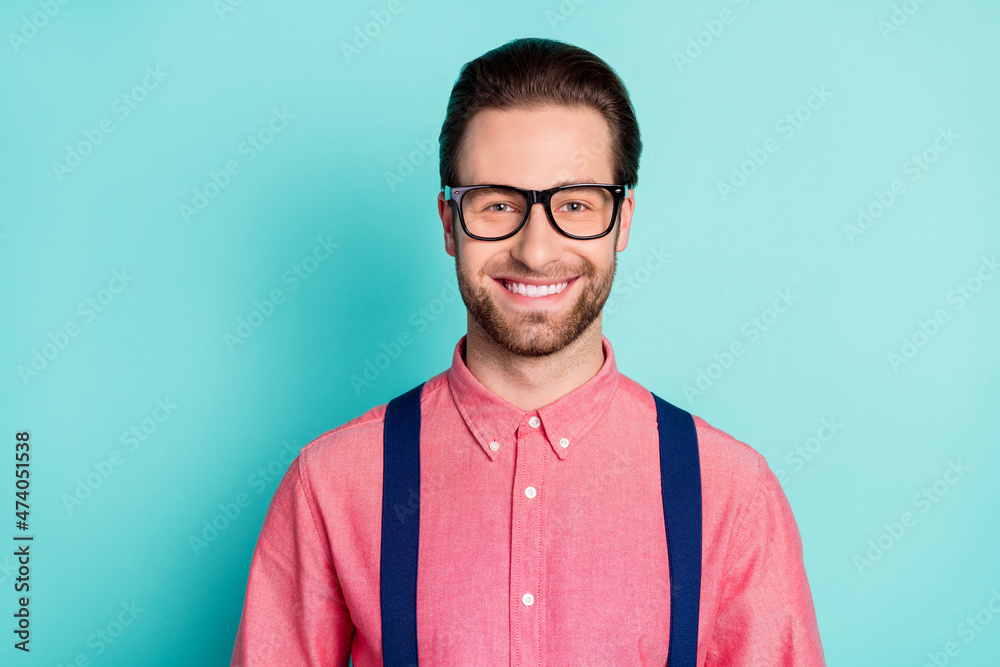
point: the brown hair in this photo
(531, 72)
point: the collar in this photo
(495, 422)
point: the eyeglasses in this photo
(496, 212)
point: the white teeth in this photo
(533, 290)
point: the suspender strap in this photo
(400, 529)
(680, 476)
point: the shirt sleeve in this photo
(766, 615)
(294, 611)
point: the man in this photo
(540, 507)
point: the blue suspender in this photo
(400, 475)
(680, 476)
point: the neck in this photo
(533, 382)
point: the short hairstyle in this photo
(532, 72)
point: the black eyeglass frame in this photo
(544, 197)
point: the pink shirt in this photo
(564, 503)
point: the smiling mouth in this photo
(535, 291)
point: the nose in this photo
(539, 242)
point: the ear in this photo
(627, 209)
(445, 212)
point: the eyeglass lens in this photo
(496, 212)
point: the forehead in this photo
(537, 148)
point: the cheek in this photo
(476, 260)
(471, 267)
(598, 262)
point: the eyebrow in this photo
(565, 181)
(571, 181)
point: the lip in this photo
(536, 300)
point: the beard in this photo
(538, 332)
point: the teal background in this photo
(361, 116)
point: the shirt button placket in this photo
(526, 544)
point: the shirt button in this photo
(564, 442)
(534, 422)
(530, 492)
(528, 599)
(494, 445)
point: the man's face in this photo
(537, 149)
